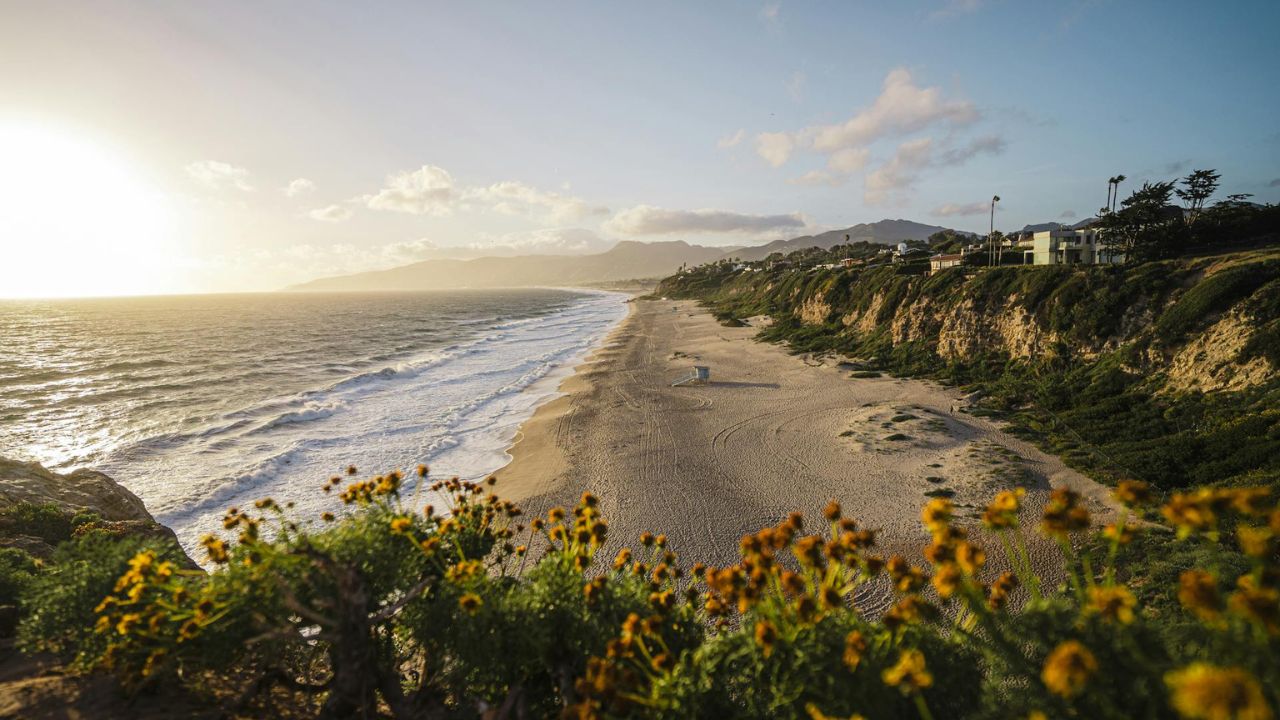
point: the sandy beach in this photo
(771, 433)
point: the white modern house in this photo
(1069, 247)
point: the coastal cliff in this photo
(1145, 370)
(75, 491)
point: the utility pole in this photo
(993, 254)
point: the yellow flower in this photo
(464, 571)
(906, 578)
(998, 594)
(1119, 534)
(1068, 668)
(970, 558)
(910, 673)
(1198, 592)
(854, 646)
(1258, 605)
(1255, 541)
(470, 603)
(1253, 501)
(401, 525)
(1132, 493)
(1204, 692)
(1063, 514)
(429, 545)
(910, 609)
(766, 635)
(127, 621)
(946, 580)
(216, 548)
(1003, 511)
(832, 511)
(1112, 603)
(937, 514)
(1189, 513)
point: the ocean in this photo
(198, 403)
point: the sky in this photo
(158, 147)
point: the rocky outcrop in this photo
(1210, 361)
(74, 491)
(120, 512)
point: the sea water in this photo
(198, 403)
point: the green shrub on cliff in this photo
(466, 611)
(58, 602)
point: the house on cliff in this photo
(1068, 247)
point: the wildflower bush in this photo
(466, 610)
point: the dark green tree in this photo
(1196, 189)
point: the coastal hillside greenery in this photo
(388, 609)
(1089, 361)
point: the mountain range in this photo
(627, 260)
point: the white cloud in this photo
(961, 209)
(732, 140)
(431, 190)
(848, 160)
(892, 180)
(902, 108)
(332, 213)
(551, 241)
(649, 220)
(511, 197)
(818, 177)
(298, 186)
(901, 170)
(428, 190)
(775, 148)
(216, 175)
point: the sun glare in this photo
(76, 220)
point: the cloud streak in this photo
(649, 220)
(892, 181)
(298, 186)
(511, 197)
(961, 209)
(331, 214)
(216, 175)
(428, 190)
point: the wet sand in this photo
(771, 433)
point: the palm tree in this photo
(1117, 180)
(991, 236)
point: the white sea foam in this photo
(456, 408)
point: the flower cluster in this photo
(152, 612)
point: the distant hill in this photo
(887, 232)
(624, 261)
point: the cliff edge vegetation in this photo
(1164, 371)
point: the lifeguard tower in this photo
(699, 374)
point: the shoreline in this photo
(529, 447)
(771, 433)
